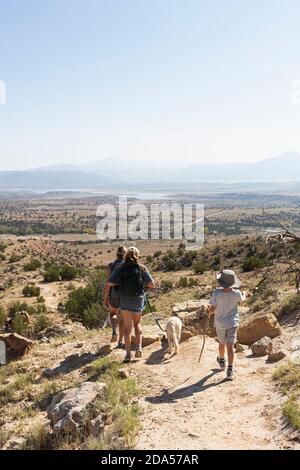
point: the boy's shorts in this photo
(227, 335)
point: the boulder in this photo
(53, 331)
(105, 350)
(239, 348)
(67, 411)
(123, 373)
(276, 355)
(96, 426)
(257, 328)
(185, 335)
(16, 345)
(194, 322)
(146, 340)
(204, 291)
(188, 306)
(62, 330)
(262, 347)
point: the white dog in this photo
(173, 329)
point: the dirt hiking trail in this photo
(206, 411)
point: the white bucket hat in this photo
(228, 278)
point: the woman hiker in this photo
(132, 278)
(112, 300)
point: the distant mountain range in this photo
(113, 172)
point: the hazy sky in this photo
(173, 80)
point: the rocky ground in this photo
(183, 404)
(70, 382)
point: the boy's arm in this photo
(212, 304)
(211, 309)
(243, 296)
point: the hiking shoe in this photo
(127, 358)
(222, 362)
(138, 353)
(114, 337)
(230, 373)
(120, 345)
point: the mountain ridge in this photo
(114, 171)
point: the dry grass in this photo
(289, 305)
(287, 378)
(121, 396)
(38, 437)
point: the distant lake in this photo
(147, 196)
(143, 196)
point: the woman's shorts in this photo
(133, 312)
(114, 299)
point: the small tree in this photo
(20, 325)
(183, 282)
(167, 284)
(252, 262)
(30, 290)
(42, 323)
(199, 267)
(52, 274)
(33, 265)
(68, 273)
(85, 304)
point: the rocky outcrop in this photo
(61, 330)
(257, 328)
(189, 306)
(262, 347)
(16, 345)
(193, 315)
(67, 411)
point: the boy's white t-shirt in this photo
(226, 303)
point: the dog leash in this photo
(152, 313)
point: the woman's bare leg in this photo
(127, 319)
(121, 327)
(137, 328)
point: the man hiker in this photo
(132, 278)
(224, 304)
(112, 300)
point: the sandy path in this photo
(50, 292)
(206, 411)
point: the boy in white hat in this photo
(224, 304)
